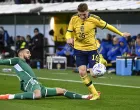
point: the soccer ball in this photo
(98, 70)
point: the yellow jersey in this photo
(84, 32)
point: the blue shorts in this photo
(86, 57)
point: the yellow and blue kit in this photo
(84, 34)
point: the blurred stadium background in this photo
(21, 21)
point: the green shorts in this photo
(33, 84)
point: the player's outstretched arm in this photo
(69, 38)
(115, 30)
(68, 35)
(11, 61)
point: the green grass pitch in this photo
(122, 94)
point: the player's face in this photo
(83, 15)
(26, 54)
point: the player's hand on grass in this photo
(70, 41)
(126, 34)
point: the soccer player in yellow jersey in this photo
(81, 35)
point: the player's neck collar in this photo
(22, 59)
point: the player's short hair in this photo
(18, 51)
(82, 7)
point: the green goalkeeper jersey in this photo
(22, 69)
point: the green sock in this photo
(25, 95)
(72, 95)
(47, 92)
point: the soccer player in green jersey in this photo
(29, 82)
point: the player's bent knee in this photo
(82, 70)
(64, 90)
(37, 94)
(60, 91)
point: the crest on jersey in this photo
(82, 35)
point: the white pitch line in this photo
(74, 81)
(59, 73)
(67, 73)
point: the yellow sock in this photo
(88, 83)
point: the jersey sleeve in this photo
(11, 61)
(113, 29)
(70, 29)
(102, 24)
(99, 22)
